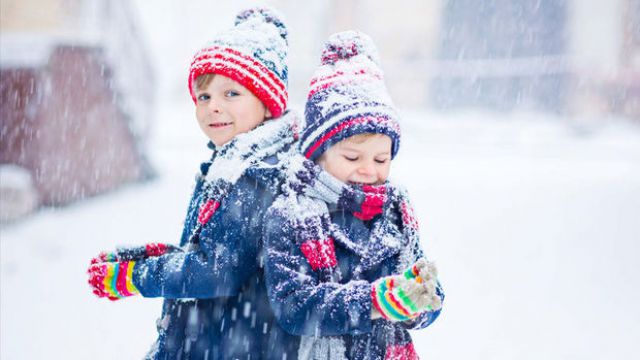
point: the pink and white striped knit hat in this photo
(253, 53)
(347, 96)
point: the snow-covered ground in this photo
(533, 221)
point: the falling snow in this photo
(531, 217)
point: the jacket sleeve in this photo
(224, 257)
(302, 303)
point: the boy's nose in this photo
(214, 106)
(366, 169)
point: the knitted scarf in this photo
(309, 194)
(231, 161)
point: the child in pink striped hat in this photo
(345, 268)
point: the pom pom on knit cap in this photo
(265, 15)
(348, 44)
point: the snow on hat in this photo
(253, 53)
(347, 96)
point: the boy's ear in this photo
(267, 114)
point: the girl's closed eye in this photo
(381, 161)
(350, 158)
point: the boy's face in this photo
(224, 109)
(363, 161)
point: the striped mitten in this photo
(112, 280)
(403, 297)
(429, 275)
(397, 298)
(413, 272)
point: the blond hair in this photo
(203, 81)
(360, 138)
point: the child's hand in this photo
(397, 298)
(427, 270)
(112, 279)
(413, 272)
(403, 297)
(427, 275)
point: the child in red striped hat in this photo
(253, 54)
(344, 268)
(216, 306)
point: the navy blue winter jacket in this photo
(216, 303)
(311, 304)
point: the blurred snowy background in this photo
(521, 150)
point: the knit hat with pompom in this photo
(253, 53)
(347, 96)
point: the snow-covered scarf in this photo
(309, 192)
(231, 161)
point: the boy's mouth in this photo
(357, 183)
(220, 124)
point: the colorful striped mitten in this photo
(413, 272)
(112, 280)
(403, 297)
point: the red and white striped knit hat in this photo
(253, 53)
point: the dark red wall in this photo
(63, 123)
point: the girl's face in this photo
(224, 109)
(363, 161)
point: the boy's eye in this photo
(203, 97)
(350, 158)
(231, 93)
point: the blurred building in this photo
(606, 57)
(76, 98)
(406, 34)
(568, 56)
